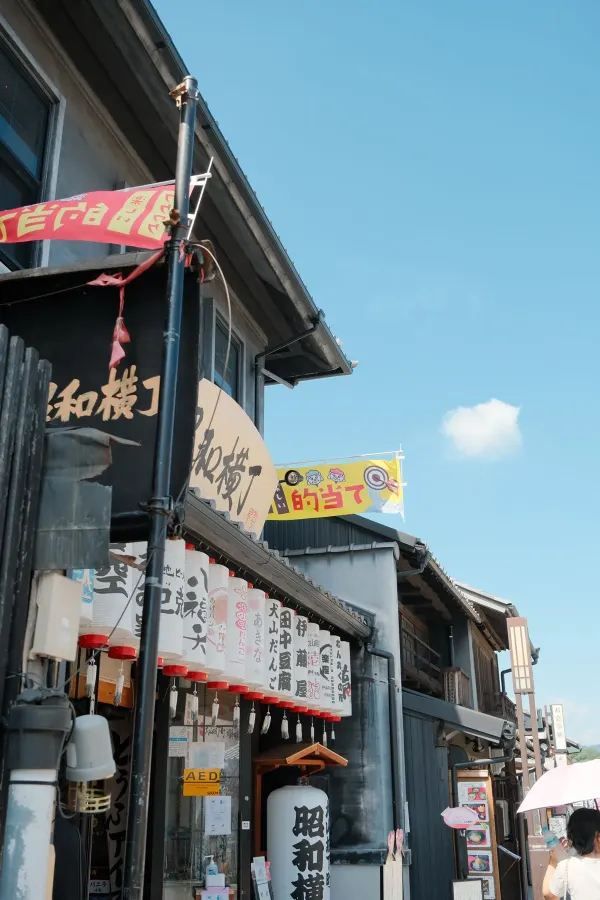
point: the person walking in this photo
(578, 876)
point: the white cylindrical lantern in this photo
(301, 661)
(112, 615)
(336, 670)
(272, 649)
(255, 649)
(286, 657)
(237, 634)
(314, 667)
(85, 577)
(325, 670)
(170, 638)
(195, 614)
(298, 842)
(345, 688)
(218, 582)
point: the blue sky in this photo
(432, 169)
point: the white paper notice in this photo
(260, 869)
(217, 815)
(178, 740)
(207, 755)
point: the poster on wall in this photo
(479, 836)
(471, 792)
(480, 862)
(481, 809)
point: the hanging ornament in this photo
(120, 684)
(266, 721)
(90, 678)
(251, 720)
(194, 706)
(298, 731)
(215, 711)
(312, 730)
(285, 728)
(333, 734)
(236, 713)
(173, 696)
(324, 741)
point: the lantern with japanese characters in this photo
(286, 657)
(345, 681)
(335, 669)
(325, 671)
(237, 634)
(170, 636)
(272, 617)
(298, 842)
(195, 614)
(112, 622)
(301, 663)
(314, 667)
(255, 648)
(218, 583)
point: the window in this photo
(25, 114)
(230, 381)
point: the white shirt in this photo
(581, 875)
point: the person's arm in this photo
(549, 878)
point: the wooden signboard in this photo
(475, 792)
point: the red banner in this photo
(134, 217)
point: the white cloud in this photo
(486, 431)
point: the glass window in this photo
(230, 380)
(24, 119)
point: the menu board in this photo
(475, 792)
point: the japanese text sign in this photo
(231, 464)
(347, 488)
(134, 216)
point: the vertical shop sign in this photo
(301, 659)
(286, 652)
(272, 625)
(116, 820)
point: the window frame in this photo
(220, 323)
(13, 47)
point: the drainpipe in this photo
(260, 358)
(451, 643)
(394, 745)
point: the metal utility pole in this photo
(160, 506)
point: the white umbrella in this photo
(564, 785)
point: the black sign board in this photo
(71, 324)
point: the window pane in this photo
(23, 116)
(229, 380)
(14, 191)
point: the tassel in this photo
(119, 687)
(312, 731)
(194, 707)
(266, 722)
(173, 696)
(90, 678)
(117, 354)
(251, 720)
(324, 741)
(333, 734)
(215, 711)
(298, 731)
(285, 728)
(236, 713)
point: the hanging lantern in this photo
(335, 670)
(345, 688)
(218, 580)
(325, 671)
(85, 577)
(286, 657)
(255, 648)
(195, 614)
(298, 842)
(237, 634)
(170, 636)
(271, 683)
(112, 612)
(314, 667)
(301, 663)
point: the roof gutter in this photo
(211, 528)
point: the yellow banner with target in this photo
(346, 488)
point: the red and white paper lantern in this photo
(272, 617)
(345, 681)
(325, 672)
(236, 639)
(314, 667)
(286, 657)
(112, 622)
(218, 583)
(301, 663)
(255, 648)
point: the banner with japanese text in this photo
(134, 217)
(350, 487)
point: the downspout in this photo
(260, 358)
(394, 745)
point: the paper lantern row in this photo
(216, 627)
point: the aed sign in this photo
(201, 782)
